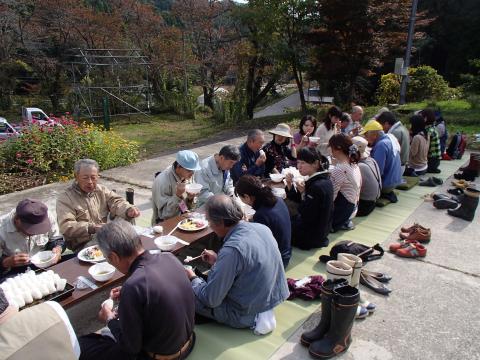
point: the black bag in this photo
(365, 252)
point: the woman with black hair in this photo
(269, 210)
(329, 127)
(311, 226)
(307, 127)
(347, 181)
(418, 156)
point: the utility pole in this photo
(411, 29)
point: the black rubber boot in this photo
(467, 174)
(323, 326)
(338, 338)
(443, 204)
(469, 204)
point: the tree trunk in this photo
(208, 97)
(299, 82)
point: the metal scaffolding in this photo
(119, 74)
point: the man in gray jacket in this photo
(393, 126)
(215, 173)
(247, 279)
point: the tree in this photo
(351, 39)
(206, 28)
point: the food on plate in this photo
(93, 254)
(192, 224)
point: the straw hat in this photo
(282, 130)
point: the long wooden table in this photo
(73, 268)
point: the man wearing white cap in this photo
(169, 197)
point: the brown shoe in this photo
(420, 235)
(412, 228)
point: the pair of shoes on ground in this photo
(412, 238)
(332, 335)
(432, 181)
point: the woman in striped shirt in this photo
(347, 181)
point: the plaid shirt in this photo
(434, 149)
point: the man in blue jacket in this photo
(387, 159)
(252, 159)
(247, 279)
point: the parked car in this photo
(7, 131)
(313, 96)
(32, 115)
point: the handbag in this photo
(366, 253)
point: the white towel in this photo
(265, 323)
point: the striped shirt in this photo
(347, 179)
(434, 149)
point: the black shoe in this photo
(443, 204)
(468, 205)
(437, 180)
(455, 191)
(440, 196)
(391, 196)
(338, 338)
(466, 174)
(428, 182)
(434, 171)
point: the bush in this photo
(424, 83)
(51, 151)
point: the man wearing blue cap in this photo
(169, 197)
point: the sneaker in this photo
(434, 171)
(412, 251)
(412, 228)
(422, 236)
(348, 226)
(400, 245)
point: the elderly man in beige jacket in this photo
(84, 206)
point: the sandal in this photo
(378, 275)
(374, 284)
(413, 250)
(455, 191)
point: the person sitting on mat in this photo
(434, 151)
(417, 159)
(312, 223)
(269, 210)
(387, 158)
(279, 151)
(247, 280)
(252, 158)
(371, 179)
(347, 181)
(156, 305)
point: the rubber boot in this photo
(328, 287)
(365, 307)
(473, 164)
(339, 270)
(338, 338)
(468, 205)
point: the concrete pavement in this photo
(291, 101)
(433, 311)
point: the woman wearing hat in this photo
(371, 178)
(277, 151)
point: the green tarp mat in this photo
(216, 341)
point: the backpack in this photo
(366, 253)
(457, 146)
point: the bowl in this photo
(314, 139)
(166, 243)
(43, 259)
(277, 177)
(101, 272)
(279, 193)
(193, 188)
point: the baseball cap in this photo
(372, 125)
(188, 160)
(33, 216)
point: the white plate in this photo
(81, 255)
(181, 227)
